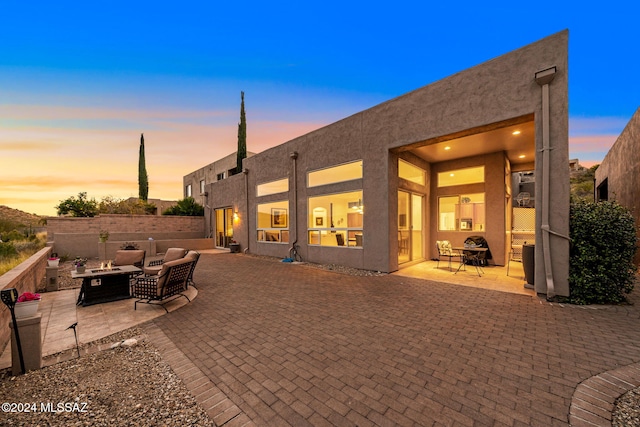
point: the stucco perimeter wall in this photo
(25, 278)
(79, 236)
(621, 169)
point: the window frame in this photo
(335, 172)
(454, 171)
(458, 219)
(351, 235)
(270, 192)
(281, 233)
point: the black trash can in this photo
(529, 264)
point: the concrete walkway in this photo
(269, 343)
(58, 311)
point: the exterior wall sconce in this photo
(236, 217)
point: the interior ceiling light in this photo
(515, 132)
(447, 148)
(451, 174)
(521, 156)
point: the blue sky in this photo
(79, 81)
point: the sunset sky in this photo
(80, 81)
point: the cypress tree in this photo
(143, 179)
(242, 136)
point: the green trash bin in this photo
(529, 264)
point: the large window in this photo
(336, 219)
(340, 173)
(465, 212)
(273, 222)
(187, 191)
(411, 172)
(461, 177)
(273, 187)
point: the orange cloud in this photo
(53, 163)
(592, 143)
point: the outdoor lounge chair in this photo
(194, 256)
(168, 285)
(444, 250)
(172, 254)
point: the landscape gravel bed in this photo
(126, 385)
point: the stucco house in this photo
(483, 152)
(618, 175)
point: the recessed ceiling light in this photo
(521, 156)
(451, 174)
(515, 132)
(447, 148)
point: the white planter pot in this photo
(53, 262)
(26, 309)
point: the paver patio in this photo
(292, 345)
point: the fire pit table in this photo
(105, 284)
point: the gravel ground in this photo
(126, 385)
(626, 412)
(133, 386)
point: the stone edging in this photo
(594, 398)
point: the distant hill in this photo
(14, 218)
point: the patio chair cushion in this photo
(129, 257)
(173, 254)
(163, 276)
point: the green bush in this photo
(7, 250)
(603, 244)
(12, 236)
(186, 207)
(79, 207)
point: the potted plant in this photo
(80, 264)
(53, 260)
(104, 236)
(27, 305)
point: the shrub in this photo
(12, 235)
(186, 207)
(603, 243)
(7, 250)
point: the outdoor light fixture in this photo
(521, 156)
(516, 132)
(447, 148)
(236, 216)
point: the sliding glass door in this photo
(410, 227)
(224, 227)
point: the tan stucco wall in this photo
(621, 169)
(79, 236)
(499, 90)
